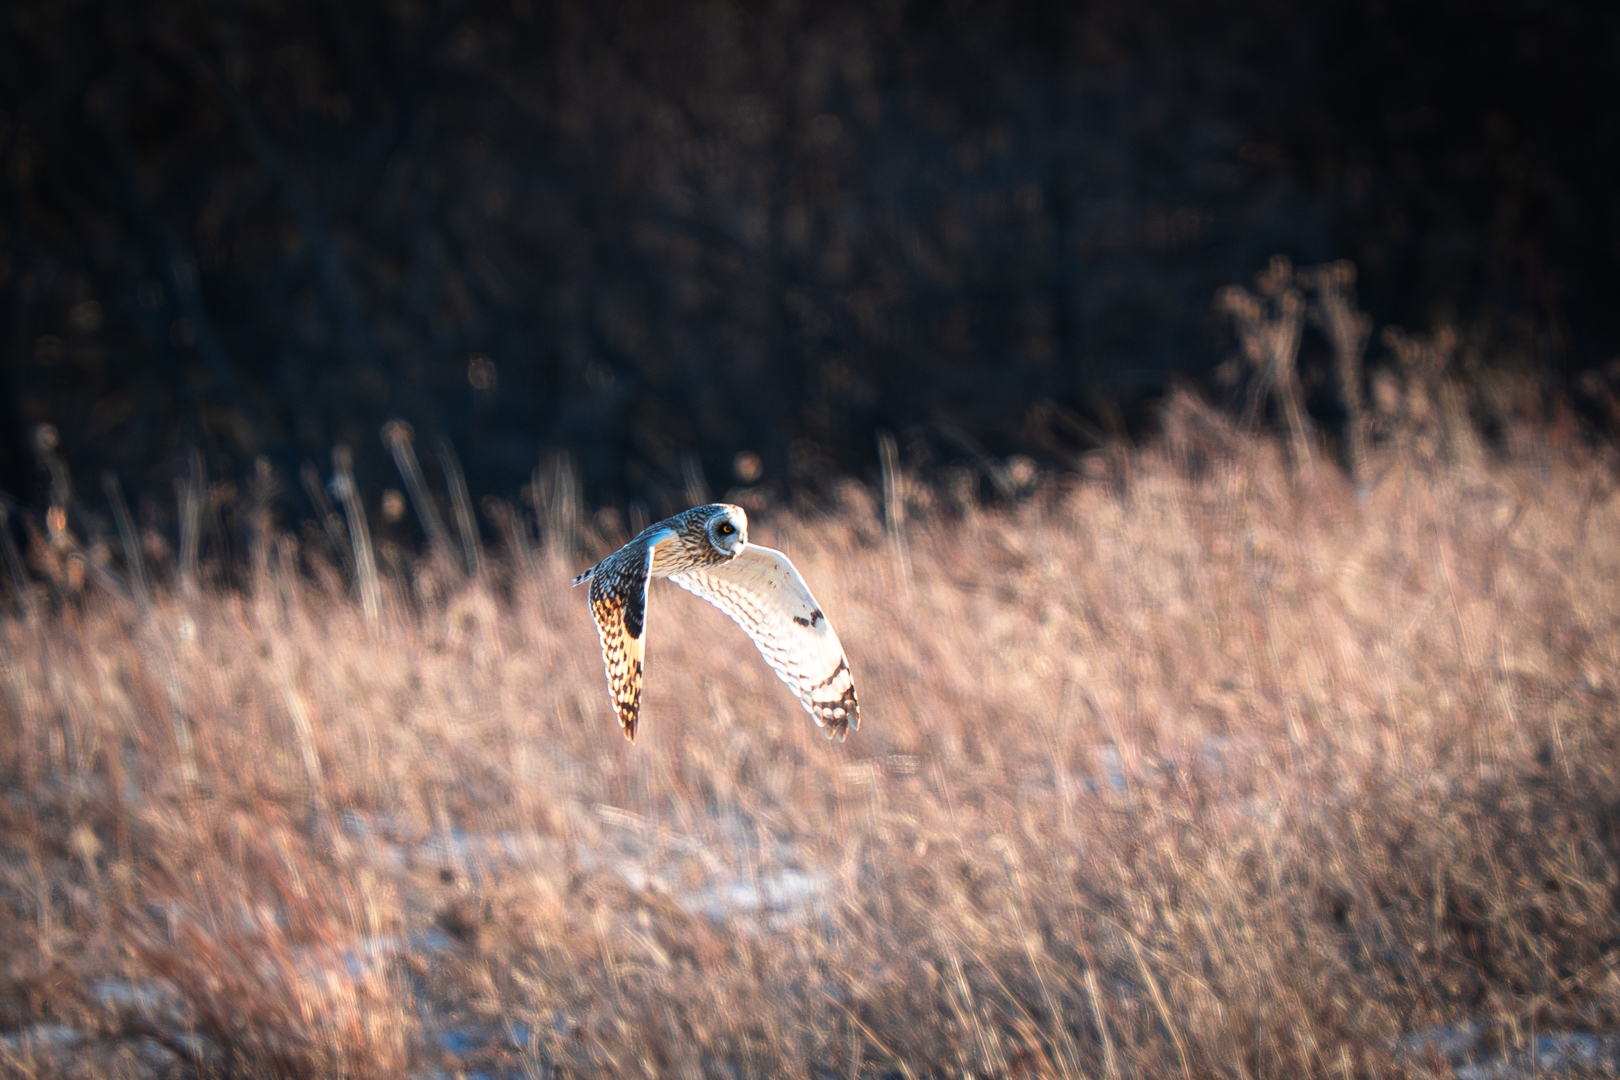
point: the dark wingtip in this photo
(834, 728)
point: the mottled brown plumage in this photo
(706, 551)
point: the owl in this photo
(706, 551)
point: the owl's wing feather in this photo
(619, 604)
(764, 594)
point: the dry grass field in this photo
(1200, 765)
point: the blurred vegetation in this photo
(1203, 766)
(725, 241)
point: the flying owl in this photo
(706, 551)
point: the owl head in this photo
(727, 528)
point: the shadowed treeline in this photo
(653, 234)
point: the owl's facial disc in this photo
(728, 531)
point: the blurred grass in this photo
(1204, 765)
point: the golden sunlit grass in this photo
(1204, 767)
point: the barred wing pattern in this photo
(619, 604)
(765, 595)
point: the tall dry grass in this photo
(1206, 766)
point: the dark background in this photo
(697, 229)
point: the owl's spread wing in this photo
(765, 596)
(619, 604)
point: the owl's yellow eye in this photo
(727, 529)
